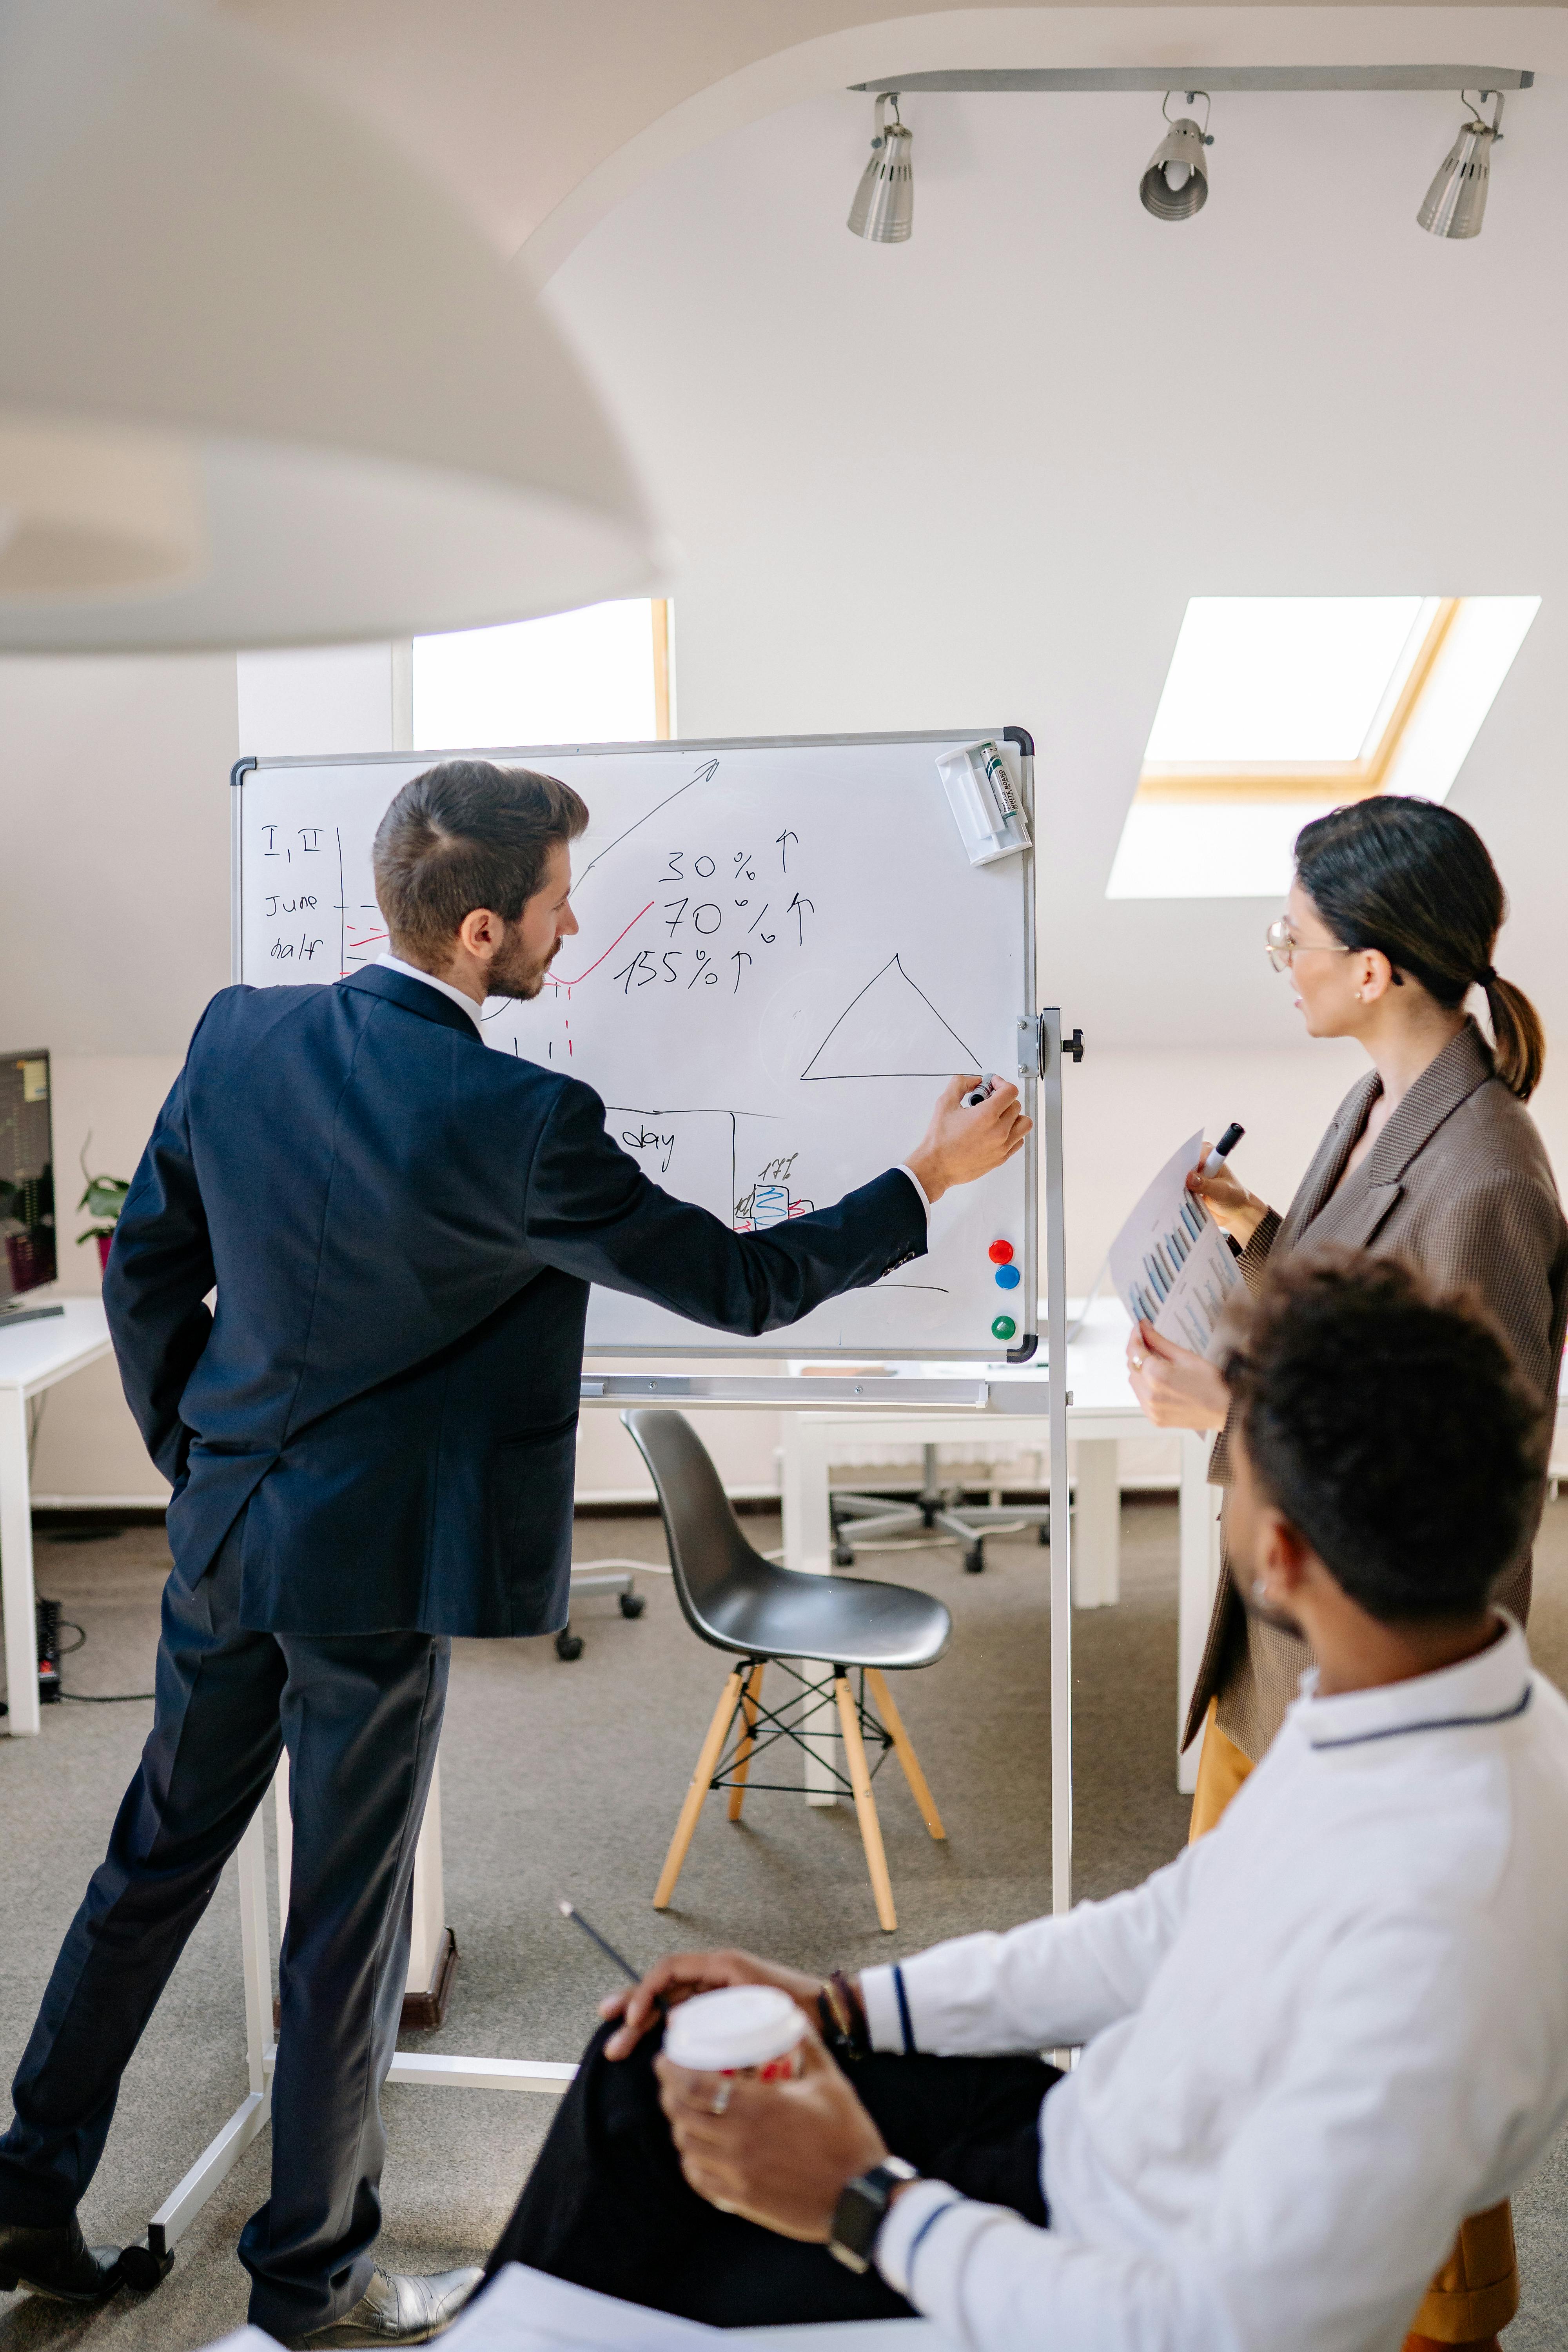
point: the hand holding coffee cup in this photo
(773, 2138)
(755, 2031)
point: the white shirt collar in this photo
(1483, 1689)
(411, 971)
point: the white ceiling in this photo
(977, 477)
(513, 102)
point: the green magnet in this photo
(1004, 1328)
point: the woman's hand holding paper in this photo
(1176, 1387)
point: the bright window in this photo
(1277, 708)
(601, 674)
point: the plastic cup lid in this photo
(743, 2026)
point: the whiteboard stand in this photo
(1041, 1049)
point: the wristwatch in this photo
(861, 2210)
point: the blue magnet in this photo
(1007, 1277)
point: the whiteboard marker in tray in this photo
(985, 806)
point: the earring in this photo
(1359, 995)
(1260, 1592)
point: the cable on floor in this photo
(96, 1698)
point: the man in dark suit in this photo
(370, 1441)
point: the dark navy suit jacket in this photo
(401, 1227)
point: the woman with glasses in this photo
(1390, 925)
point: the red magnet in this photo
(999, 1253)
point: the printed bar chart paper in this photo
(1171, 1263)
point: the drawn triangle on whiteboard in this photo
(892, 1030)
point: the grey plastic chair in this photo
(763, 1615)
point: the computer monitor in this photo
(27, 1175)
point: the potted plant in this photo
(104, 1197)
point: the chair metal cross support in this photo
(745, 1741)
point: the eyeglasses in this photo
(1282, 945)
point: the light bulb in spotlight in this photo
(883, 212)
(1176, 183)
(1456, 202)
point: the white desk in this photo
(32, 1358)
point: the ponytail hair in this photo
(1414, 880)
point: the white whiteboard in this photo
(783, 952)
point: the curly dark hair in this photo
(1388, 1421)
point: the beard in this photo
(515, 973)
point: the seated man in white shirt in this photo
(1277, 2167)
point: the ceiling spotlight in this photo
(1456, 199)
(883, 211)
(1176, 183)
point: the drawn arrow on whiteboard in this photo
(705, 775)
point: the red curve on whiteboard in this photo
(610, 951)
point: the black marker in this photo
(1215, 1164)
(984, 1092)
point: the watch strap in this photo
(861, 2210)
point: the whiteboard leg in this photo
(429, 1893)
(256, 1950)
(809, 1547)
(1050, 1098)
(1200, 1506)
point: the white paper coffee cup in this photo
(742, 2030)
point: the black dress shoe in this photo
(396, 2309)
(56, 2262)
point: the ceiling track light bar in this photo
(1488, 78)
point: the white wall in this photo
(113, 935)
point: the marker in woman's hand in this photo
(985, 1089)
(1215, 1164)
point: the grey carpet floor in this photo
(566, 1778)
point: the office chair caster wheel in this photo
(632, 1604)
(568, 1645)
(1042, 1534)
(843, 1556)
(974, 1561)
(141, 2269)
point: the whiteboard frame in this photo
(1029, 1057)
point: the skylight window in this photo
(601, 674)
(1277, 708)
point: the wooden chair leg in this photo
(748, 1741)
(904, 1747)
(865, 1806)
(701, 1781)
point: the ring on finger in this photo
(1137, 1359)
(720, 2102)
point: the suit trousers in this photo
(607, 2205)
(360, 1715)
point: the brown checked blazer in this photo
(1459, 1186)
